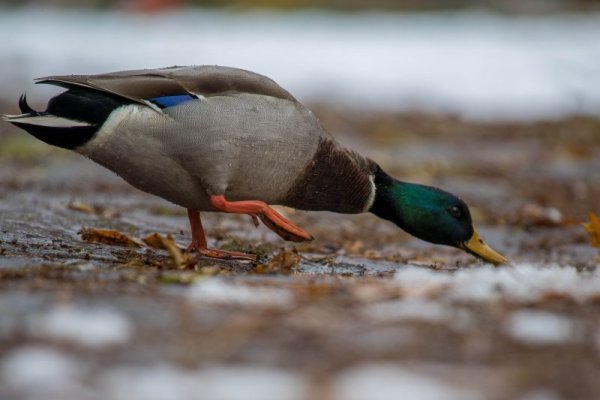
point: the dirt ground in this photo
(334, 316)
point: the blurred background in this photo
(491, 59)
(497, 101)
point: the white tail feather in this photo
(50, 121)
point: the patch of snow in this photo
(216, 290)
(540, 328)
(475, 64)
(89, 327)
(392, 382)
(42, 373)
(167, 382)
(520, 283)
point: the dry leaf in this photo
(108, 236)
(178, 258)
(155, 240)
(354, 247)
(80, 206)
(281, 262)
(373, 254)
(593, 228)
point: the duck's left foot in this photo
(271, 218)
(199, 242)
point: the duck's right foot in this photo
(285, 228)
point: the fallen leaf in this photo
(593, 228)
(355, 247)
(178, 258)
(284, 261)
(80, 206)
(372, 254)
(108, 236)
(156, 241)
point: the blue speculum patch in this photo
(173, 100)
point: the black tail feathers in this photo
(71, 118)
(25, 108)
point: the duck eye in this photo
(455, 211)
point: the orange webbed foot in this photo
(285, 228)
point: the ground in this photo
(362, 312)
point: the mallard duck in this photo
(212, 138)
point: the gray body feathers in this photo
(241, 135)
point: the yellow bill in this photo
(479, 248)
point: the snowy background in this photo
(476, 64)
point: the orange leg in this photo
(271, 218)
(199, 242)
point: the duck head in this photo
(430, 214)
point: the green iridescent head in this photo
(430, 214)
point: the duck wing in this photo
(198, 81)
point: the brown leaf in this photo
(284, 261)
(154, 240)
(80, 206)
(354, 247)
(178, 258)
(593, 228)
(109, 236)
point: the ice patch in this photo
(520, 283)
(219, 291)
(540, 328)
(392, 382)
(167, 382)
(42, 373)
(93, 327)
